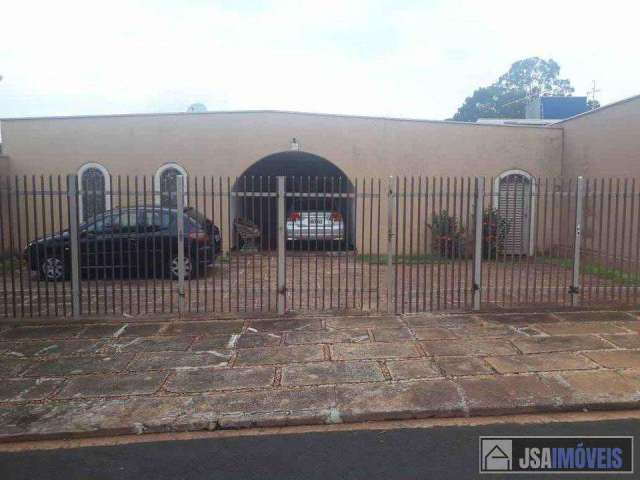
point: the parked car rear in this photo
(315, 226)
(131, 242)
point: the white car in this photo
(315, 226)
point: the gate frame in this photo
(477, 253)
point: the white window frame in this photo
(534, 190)
(158, 176)
(107, 182)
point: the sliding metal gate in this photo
(300, 244)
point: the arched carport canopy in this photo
(295, 164)
(305, 173)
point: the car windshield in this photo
(114, 221)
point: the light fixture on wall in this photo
(295, 146)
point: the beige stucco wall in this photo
(5, 165)
(604, 143)
(228, 143)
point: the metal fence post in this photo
(391, 291)
(477, 253)
(72, 197)
(282, 287)
(180, 222)
(575, 283)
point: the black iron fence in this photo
(276, 244)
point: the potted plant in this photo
(494, 232)
(448, 236)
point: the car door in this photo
(110, 244)
(155, 242)
(95, 250)
(126, 233)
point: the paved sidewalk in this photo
(90, 379)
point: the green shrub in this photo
(494, 232)
(448, 236)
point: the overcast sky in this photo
(393, 58)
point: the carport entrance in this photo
(314, 185)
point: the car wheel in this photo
(173, 267)
(52, 269)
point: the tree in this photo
(507, 97)
(593, 104)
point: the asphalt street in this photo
(402, 453)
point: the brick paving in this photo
(100, 377)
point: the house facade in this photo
(158, 147)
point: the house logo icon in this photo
(495, 455)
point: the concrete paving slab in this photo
(391, 334)
(300, 399)
(543, 362)
(369, 321)
(102, 330)
(46, 332)
(616, 358)
(565, 343)
(150, 344)
(445, 321)
(609, 316)
(435, 333)
(141, 329)
(519, 319)
(45, 348)
(398, 400)
(502, 395)
(599, 389)
(325, 373)
(84, 365)
(112, 385)
(173, 360)
(471, 346)
(579, 327)
(359, 351)
(215, 342)
(412, 369)
(459, 366)
(24, 389)
(35, 421)
(204, 328)
(254, 340)
(12, 367)
(212, 379)
(631, 325)
(279, 355)
(327, 336)
(284, 325)
(624, 341)
(485, 331)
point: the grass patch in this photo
(373, 259)
(607, 273)
(7, 264)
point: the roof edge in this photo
(286, 112)
(599, 109)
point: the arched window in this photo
(166, 184)
(514, 195)
(94, 180)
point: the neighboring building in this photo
(603, 142)
(515, 121)
(555, 108)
